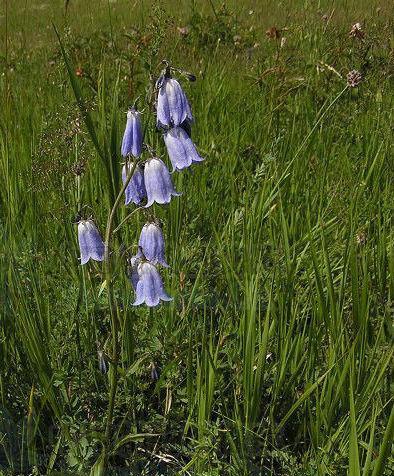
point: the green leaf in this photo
(133, 437)
(354, 463)
(98, 468)
(385, 447)
(302, 399)
(54, 454)
(134, 368)
(102, 287)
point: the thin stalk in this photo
(319, 121)
(320, 118)
(127, 218)
(113, 383)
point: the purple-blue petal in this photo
(151, 289)
(139, 293)
(132, 137)
(163, 109)
(176, 101)
(151, 242)
(133, 276)
(83, 245)
(135, 190)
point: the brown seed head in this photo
(183, 30)
(357, 31)
(354, 78)
(78, 168)
(273, 33)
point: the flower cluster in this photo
(174, 118)
(354, 78)
(356, 31)
(150, 183)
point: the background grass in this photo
(275, 356)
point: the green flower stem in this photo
(113, 308)
(127, 218)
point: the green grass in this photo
(275, 357)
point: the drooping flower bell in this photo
(172, 105)
(180, 148)
(103, 367)
(151, 244)
(132, 137)
(158, 183)
(135, 190)
(150, 288)
(90, 243)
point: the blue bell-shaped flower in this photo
(158, 183)
(150, 288)
(90, 243)
(151, 244)
(181, 150)
(132, 137)
(135, 190)
(172, 105)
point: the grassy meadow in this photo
(275, 356)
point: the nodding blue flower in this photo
(154, 374)
(180, 148)
(158, 183)
(172, 105)
(90, 243)
(150, 288)
(102, 362)
(132, 137)
(135, 190)
(151, 244)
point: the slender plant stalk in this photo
(320, 118)
(127, 219)
(113, 308)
